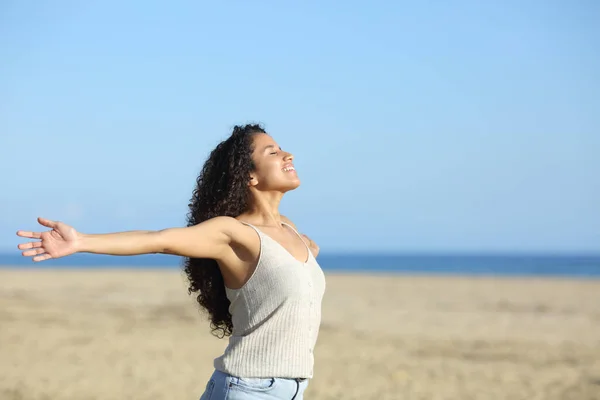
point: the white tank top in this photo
(276, 316)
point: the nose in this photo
(288, 156)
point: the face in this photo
(274, 167)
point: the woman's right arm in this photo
(209, 239)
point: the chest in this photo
(285, 282)
(288, 242)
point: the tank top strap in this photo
(292, 228)
(253, 227)
(301, 238)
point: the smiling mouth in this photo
(288, 169)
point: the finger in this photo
(29, 245)
(33, 252)
(47, 222)
(42, 257)
(28, 234)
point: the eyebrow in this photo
(271, 146)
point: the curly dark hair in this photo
(221, 190)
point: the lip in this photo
(289, 165)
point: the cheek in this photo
(267, 169)
(262, 171)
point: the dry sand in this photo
(119, 334)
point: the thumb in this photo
(47, 222)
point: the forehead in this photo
(263, 141)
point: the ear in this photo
(253, 181)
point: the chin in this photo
(292, 186)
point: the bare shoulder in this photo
(235, 230)
(219, 221)
(314, 248)
(223, 224)
(288, 221)
(208, 239)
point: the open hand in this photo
(60, 241)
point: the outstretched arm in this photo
(209, 239)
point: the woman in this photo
(256, 276)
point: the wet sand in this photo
(124, 334)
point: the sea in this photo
(572, 265)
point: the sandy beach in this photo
(125, 334)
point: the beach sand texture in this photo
(136, 334)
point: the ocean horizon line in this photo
(516, 264)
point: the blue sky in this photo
(430, 126)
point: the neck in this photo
(264, 208)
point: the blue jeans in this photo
(222, 386)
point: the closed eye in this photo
(273, 148)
